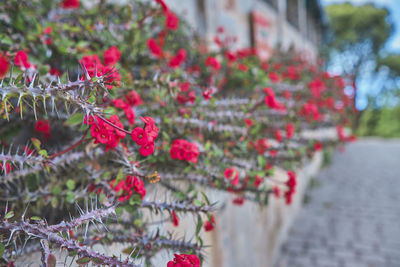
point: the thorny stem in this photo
(70, 147)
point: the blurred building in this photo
(264, 24)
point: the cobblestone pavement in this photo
(352, 218)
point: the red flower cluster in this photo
(291, 184)
(278, 136)
(105, 133)
(261, 145)
(94, 66)
(184, 150)
(144, 137)
(316, 86)
(318, 146)
(155, 49)
(70, 4)
(171, 20)
(210, 224)
(184, 260)
(213, 63)
(185, 95)
(273, 76)
(43, 126)
(207, 94)
(127, 187)
(270, 100)
(21, 60)
(232, 173)
(289, 130)
(4, 64)
(309, 110)
(178, 58)
(111, 56)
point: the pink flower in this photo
(133, 98)
(289, 130)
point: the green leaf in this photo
(83, 260)
(70, 184)
(198, 202)
(2, 248)
(75, 119)
(9, 215)
(36, 143)
(56, 190)
(43, 153)
(206, 198)
(36, 218)
(199, 224)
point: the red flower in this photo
(289, 130)
(145, 137)
(248, 122)
(316, 86)
(133, 98)
(242, 67)
(232, 173)
(111, 56)
(238, 201)
(104, 133)
(261, 145)
(213, 63)
(257, 181)
(278, 136)
(127, 187)
(184, 260)
(175, 219)
(270, 100)
(93, 64)
(210, 224)
(273, 76)
(147, 149)
(291, 184)
(184, 150)
(178, 58)
(4, 64)
(276, 191)
(163, 5)
(21, 59)
(70, 4)
(55, 72)
(171, 20)
(6, 168)
(155, 49)
(207, 94)
(43, 126)
(119, 103)
(130, 115)
(318, 146)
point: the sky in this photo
(392, 45)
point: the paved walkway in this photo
(353, 217)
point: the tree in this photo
(356, 42)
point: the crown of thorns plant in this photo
(117, 122)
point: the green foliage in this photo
(383, 122)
